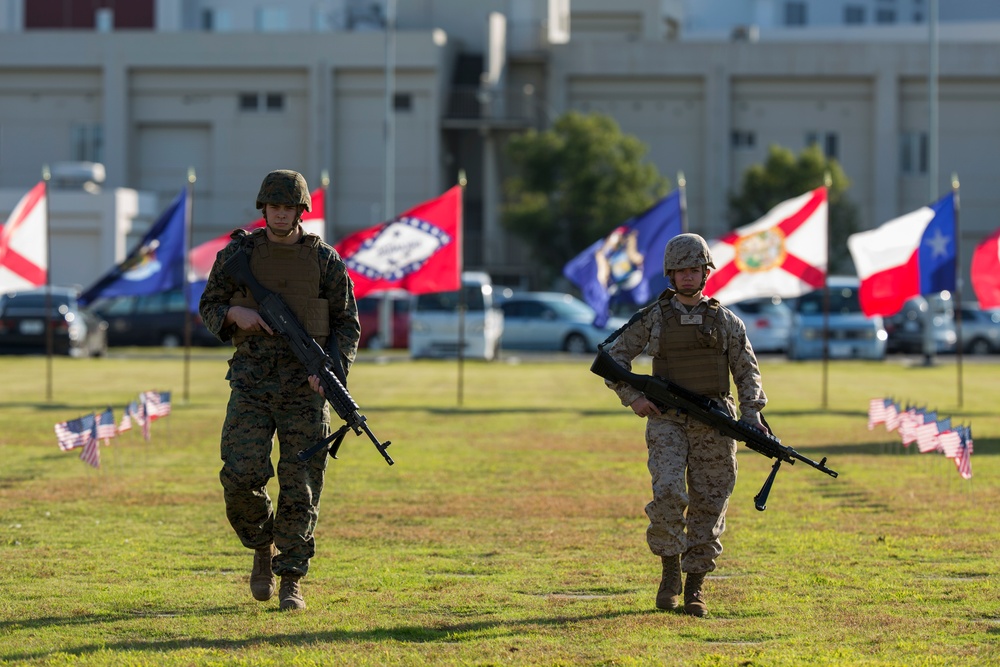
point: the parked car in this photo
(768, 322)
(552, 321)
(369, 309)
(980, 329)
(150, 319)
(851, 334)
(75, 331)
(435, 321)
(906, 328)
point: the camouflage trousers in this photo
(693, 470)
(300, 417)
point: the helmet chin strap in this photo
(281, 235)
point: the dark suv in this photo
(75, 332)
(151, 319)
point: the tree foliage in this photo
(784, 176)
(574, 183)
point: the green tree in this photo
(573, 184)
(784, 176)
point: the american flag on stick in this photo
(106, 428)
(75, 432)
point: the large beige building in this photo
(234, 90)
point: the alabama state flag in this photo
(419, 252)
(782, 254)
(24, 245)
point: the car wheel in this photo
(575, 344)
(979, 346)
(170, 340)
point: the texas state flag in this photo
(909, 256)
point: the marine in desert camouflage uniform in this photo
(270, 391)
(696, 343)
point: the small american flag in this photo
(908, 423)
(950, 443)
(75, 432)
(964, 459)
(876, 412)
(106, 426)
(157, 403)
(91, 450)
(927, 433)
(891, 416)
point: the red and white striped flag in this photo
(964, 459)
(927, 436)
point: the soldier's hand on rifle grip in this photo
(316, 386)
(643, 407)
(757, 424)
(247, 319)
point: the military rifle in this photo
(667, 394)
(329, 369)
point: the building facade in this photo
(234, 90)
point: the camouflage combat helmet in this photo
(686, 251)
(284, 186)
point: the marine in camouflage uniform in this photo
(696, 343)
(270, 391)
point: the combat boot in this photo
(693, 604)
(290, 593)
(261, 577)
(668, 597)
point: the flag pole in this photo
(958, 290)
(827, 183)
(49, 341)
(188, 212)
(461, 293)
(681, 186)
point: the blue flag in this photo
(621, 267)
(156, 265)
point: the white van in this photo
(435, 321)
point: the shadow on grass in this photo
(444, 632)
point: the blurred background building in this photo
(391, 100)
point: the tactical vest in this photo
(692, 353)
(292, 272)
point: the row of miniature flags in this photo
(930, 432)
(87, 431)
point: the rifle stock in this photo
(667, 394)
(328, 369)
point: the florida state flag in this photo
(418, 252)
(782, 254)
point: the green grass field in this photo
(509, 532)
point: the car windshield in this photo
(448, 301)
(571, 309)
(35, 303)
(843, 301)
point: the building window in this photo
(743, 138)
(248, 101)
(885, 16)
(829, 142)
(275, 101)
(402, 102)
(216, 20)
(795, 13)
(913, 153)
(87, 142)
(854, 15)
(271, 19)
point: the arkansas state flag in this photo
(906, 257)
(24, 254)
(782, 254)
(418, 252)
(621, 267)
(985, 271)
(202, 257)
(155, 265)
